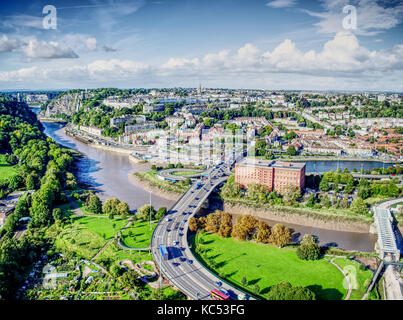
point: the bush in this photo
(285, 291)
(308, 249)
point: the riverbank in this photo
(300, 217)
(148, 186)
(338, 159)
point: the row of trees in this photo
(111, 207)
(246, 228)
(42, 166)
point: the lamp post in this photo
(150, 208)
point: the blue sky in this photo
(277, 44)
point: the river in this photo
(108, 173)
(318, 166)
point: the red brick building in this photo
(275, 175)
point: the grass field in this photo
(150, 177)
(183, 173)
(85, 236)
(359, 278)
(266, 265)
(6, 171)
(138, 235)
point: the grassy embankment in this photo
(6, 171)
(138, 234)
(151, 178)
(324, 214)
(266, 266)
(183, 173)
(359, 276)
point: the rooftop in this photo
(272, 164)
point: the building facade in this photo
(275, 175)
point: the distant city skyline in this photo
(277, 45)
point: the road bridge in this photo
(182, 269)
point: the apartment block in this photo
(273, 174)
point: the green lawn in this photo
(266, 265)
(359, 278)
(6, 171)
(150, 177)
(102, 226)
(85, 236)
(138, 235)
(184, 173)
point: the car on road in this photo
(175, 243)
(184, 220)
(169, 219)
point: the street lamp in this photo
(150, 208)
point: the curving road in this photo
(182, 269)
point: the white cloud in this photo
(372, 18)
(341, 61)
(281, 3)
(24, 20)
(91, 44)
(8, 45)
(47, 50)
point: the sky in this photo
(250, 44)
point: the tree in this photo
(193, 226)
(324, 185)
(280, 235)
(30, 182)
(143, 213)
(131, 280)
(161, 213)
(123, 209)
(244, 282)
(213, 222)
(262, 232)
(57, 214)
(358, 206)
(292, 194)
(291, 151)
(110, 206)
(325, 201)
(231, 189)
(225, 225)
(94, 204)
(157, 294)
(363, 192)
(285, 291)
(308, 249)
(256, 289)
(310, 203)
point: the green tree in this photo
(94, 204)
(144, 212)
(161, 213)
(291, 151)
(57, 214)
(324, 185)
(308, 248)
(358, 206)
(123, 209)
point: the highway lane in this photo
(182, 269)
